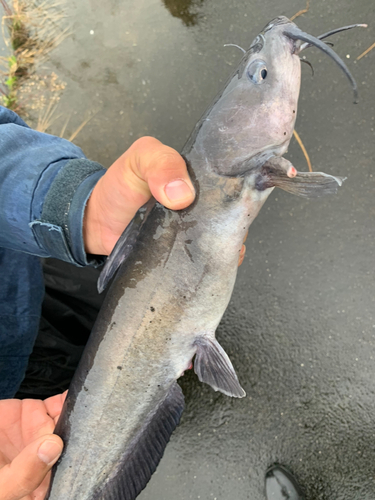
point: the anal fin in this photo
(144, 453)
(213, 366)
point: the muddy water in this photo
(301, 325)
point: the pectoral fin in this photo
(309, 184)
(279, 172)
(213, 366)
(124, 245)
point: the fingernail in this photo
(178, 190)
(49, 452)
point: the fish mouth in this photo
(277, 21)
(303, 40)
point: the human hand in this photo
(148, 168)
(28, 447)
(242, 253)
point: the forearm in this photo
(45, 182)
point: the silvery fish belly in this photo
(175, 276)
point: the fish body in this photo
(174, 285)
(166, 301)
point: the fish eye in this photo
(257, 71)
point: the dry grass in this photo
(79, 128)
(49, 116)
(31, 29)
(300, 12)
(366, 52)
(299, 140)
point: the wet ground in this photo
(300, 328)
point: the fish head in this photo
(253, 118)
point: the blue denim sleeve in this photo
(45, 182)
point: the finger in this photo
(27, 471)
(35, 421)
(164, 171)
(242, 255)
(54, 404)
(41, 491)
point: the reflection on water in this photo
(185, 10)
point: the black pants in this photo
(70, 307)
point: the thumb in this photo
(173, 189)
(165, 172)
(26, 472)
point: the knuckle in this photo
(157, 159)
(168, 160)
(146, 142)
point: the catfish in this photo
(174, 276)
